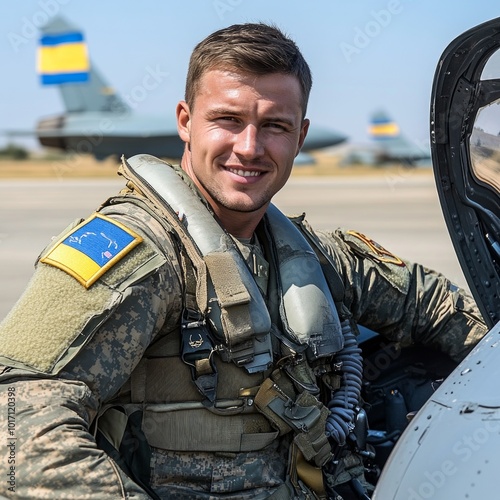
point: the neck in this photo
(239, 224)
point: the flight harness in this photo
(225, 312)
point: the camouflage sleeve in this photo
(45, 418)
(403, 301)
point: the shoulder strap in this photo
(226, 293)
(335, 282)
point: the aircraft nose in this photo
(322, 137)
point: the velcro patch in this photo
(53, 314)
(91, 248)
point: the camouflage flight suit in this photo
(47, 411)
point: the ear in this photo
(183, 114)
(303, 133)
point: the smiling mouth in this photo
(244, 173)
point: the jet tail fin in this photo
(63, 60)
(392, 144)
(382, 128)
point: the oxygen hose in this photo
(345, 401)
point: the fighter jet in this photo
(391, 145)
(449, 450)
(99, 121)
(388, 145)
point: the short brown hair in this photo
(254, 48)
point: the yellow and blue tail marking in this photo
(92, 248)
(63, 58)
(383, 128)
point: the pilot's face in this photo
(243, 133)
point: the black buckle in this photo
(196, 351)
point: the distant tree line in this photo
(14, 152)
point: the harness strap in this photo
(175, 220)
(335, 283)
(209, 248)
(196, 350)
(201, 430)
(305, 473)
(232, 294)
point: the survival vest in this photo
(241, 398)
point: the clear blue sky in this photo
(364, 56)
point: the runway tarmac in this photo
(399, 211)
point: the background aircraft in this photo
(99, 121)
(391, 145)
(387, 145)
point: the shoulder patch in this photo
(377, 251)
(91, 248)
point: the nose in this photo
(248, 143)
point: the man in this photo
(185, 341)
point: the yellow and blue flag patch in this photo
(63, 58)
(91, 248)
